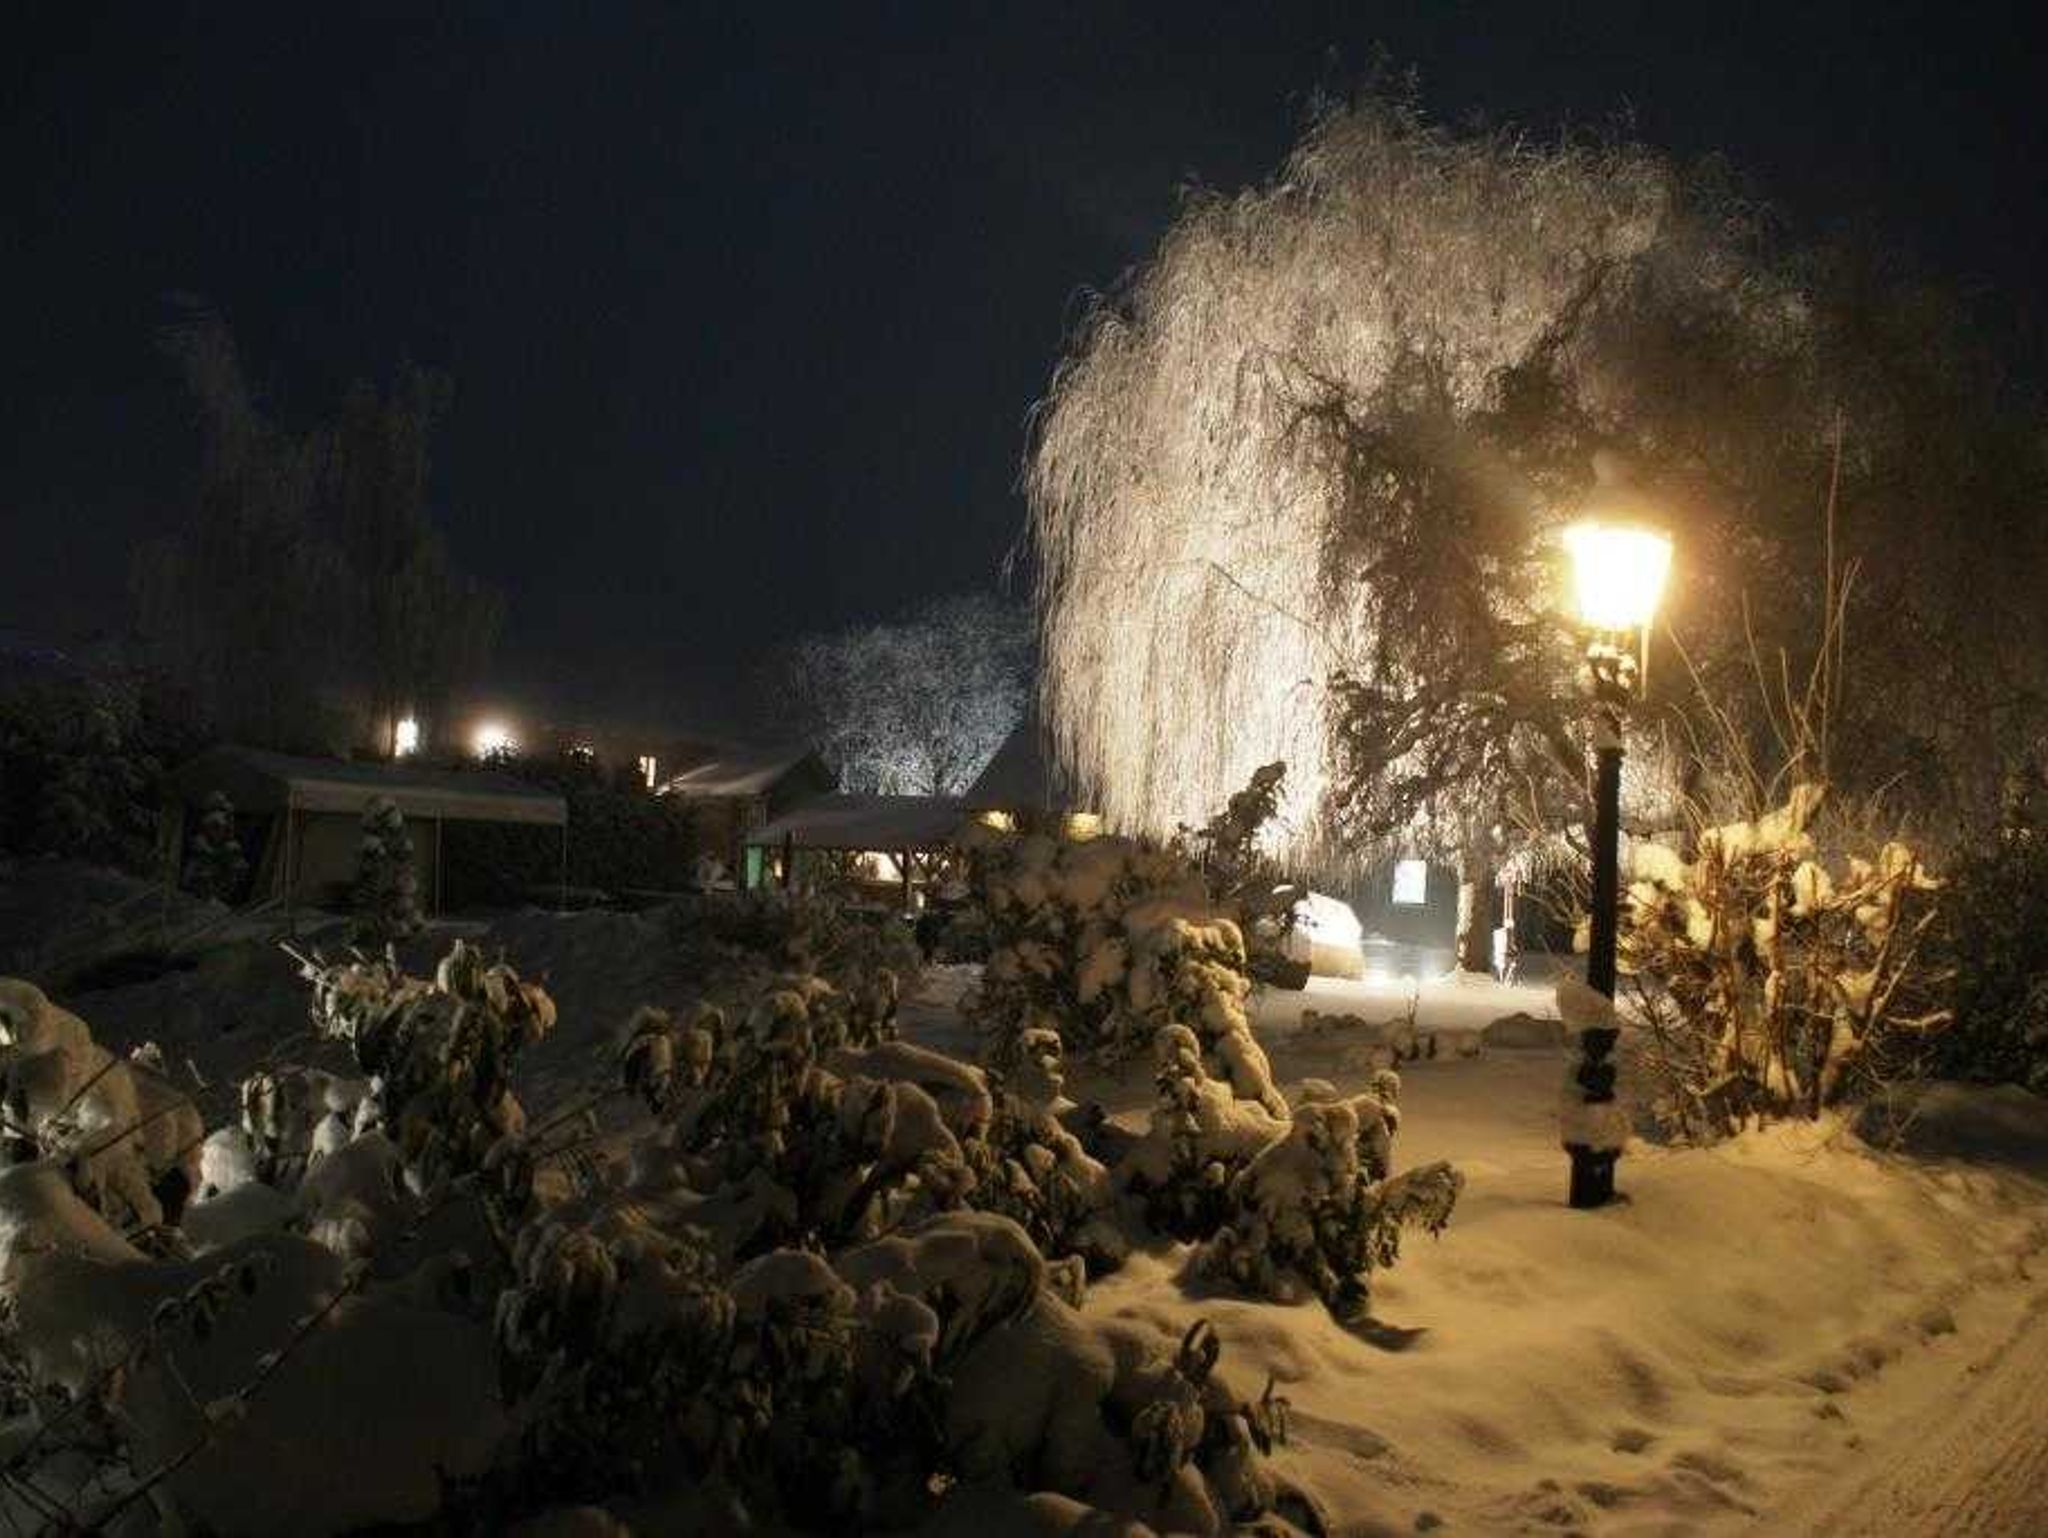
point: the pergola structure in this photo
(905, 839)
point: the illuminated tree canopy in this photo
(1295, 486)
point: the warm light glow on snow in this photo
(405, 738)
(493, 738)
(1617, 573)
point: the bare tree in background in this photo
(916, 706)
(309, 601)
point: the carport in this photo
(314, 811)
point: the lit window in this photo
(1002, 822)
(1411, 883)
(1083, 825)
(405, 738)
(647, 769)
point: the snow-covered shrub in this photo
(750, 1111)
(1772, 980)
(1243, 878)
(127, 1137)
(215, 865)
(441, 1050)
(1997, 913)
(1286, 1207)
(386, 899)
(292, 1117)
(1316, 1211)
(841, 1391)
(1199, 1137)
(1029, 1167)
(1105, 942)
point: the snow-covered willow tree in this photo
(1295, 486)
(1270, 514)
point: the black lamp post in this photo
(1618, 573)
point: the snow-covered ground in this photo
(1794, 1333)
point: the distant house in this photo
(739, 790)
(893, 845)
(1025, 785)
(309, 812)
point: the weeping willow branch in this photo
(1218, 445)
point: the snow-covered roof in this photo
(258, 780)
(737, 772)
(865, 822)
(1024, 776)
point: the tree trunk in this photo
(1474, 943)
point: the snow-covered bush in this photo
(1285, 1206)
(1772, 980)
(1243, 878)
(441, 1050)
(1316, 1211)
(126, 1136)
(1028, 1166)
(754, 1121)
(215, 865)
(1105, 942)
(1997, 912)
(1199, 1137)
(386, 899)
(842, 1391)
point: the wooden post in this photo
(788, 859)
(903, 859)
(437, 867)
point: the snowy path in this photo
(1978, 1468)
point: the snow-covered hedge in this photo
(1772, 981)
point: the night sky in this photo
(745, 305)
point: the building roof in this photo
(1024, 776)
(739, 772)
(865, 822)
(257, 780)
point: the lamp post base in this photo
(1592, 1175)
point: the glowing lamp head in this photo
(494, 739)
(1618, 572)
(405, 738)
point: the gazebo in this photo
(903, 839)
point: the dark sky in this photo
(746, 304)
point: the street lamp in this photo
(1618, 570)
